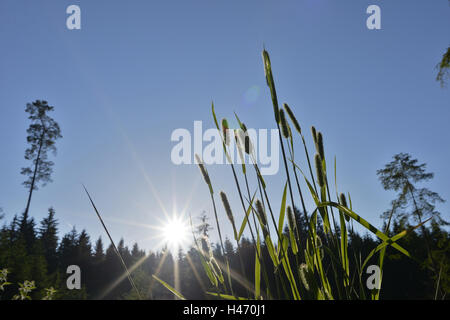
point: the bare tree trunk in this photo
(36, 165)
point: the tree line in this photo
(34, 252)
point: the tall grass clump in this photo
(302, 264)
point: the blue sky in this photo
(138, 70)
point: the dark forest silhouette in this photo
(33, 252)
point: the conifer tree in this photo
(48, 235)
(42, 135)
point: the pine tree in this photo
(48, 235)
(98, 280)
(113, 270)
(413, 204)
(39, 271)
(42, 135)
(84, 247)
(402, 175)
(67, 250)
(99, 254)
(203, 228)
(27, 231)
(84, 260)
(444, 68)
(136, 253)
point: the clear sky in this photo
(139, 69)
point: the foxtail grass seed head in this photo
(291, 218)
(206, 247)
(267, 68)
(319, 246)
(215, 266)
(319, 170)
(261, 212)
(314, 134)
(293, 119)
(239, 136)
(226, 131)
(284, 125)
(227, 207)
(271, 84)
(238, 133)
(320, 148)
(202, 168)
(303, 271)
(3, 275)
(247, 143)
(343, 201)
(318, 241)
(265, 231)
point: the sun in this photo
(175, 232)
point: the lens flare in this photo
(251, 95)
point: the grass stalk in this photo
(130, 279)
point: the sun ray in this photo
(158, 269)
(122, 277)
(194, 270)
(238, 277)
(176, 275)
(192, 193)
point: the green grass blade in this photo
(168, 287)
(260, 177)
(344, 247)
(258, 268)
(287, 268)
(365, 224)
(208, 271)
(271, 84)
(216, 270)
(282, 213)
(273, 255)
(214, 116)
(294, 246)
(391, 241)
(225, 296)
(244, 222)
